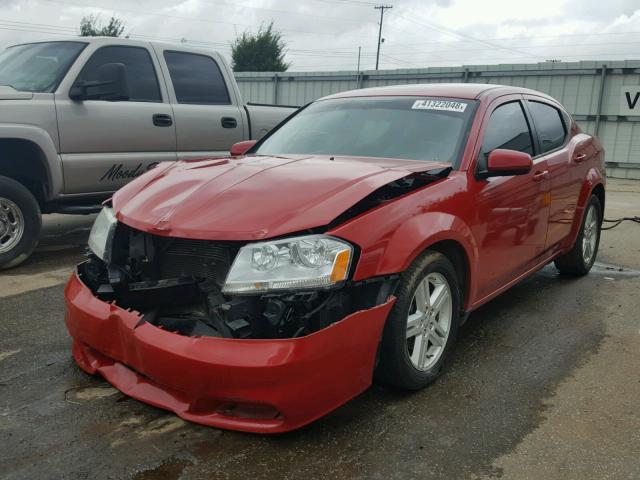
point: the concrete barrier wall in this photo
(592, 92)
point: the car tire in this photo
(579, 260)
(410, 327)
(20, 223)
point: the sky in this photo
(324, 35)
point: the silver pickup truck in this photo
(81, 117)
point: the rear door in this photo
(552, 129)
(207, 112)
(513, 210)
(105, 144)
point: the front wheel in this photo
(20, 223)
(422, 327)
(580, 259)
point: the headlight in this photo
(292, 263)
(102, 232)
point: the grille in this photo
(198, 258)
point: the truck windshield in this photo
(37, 67)
(411, 128)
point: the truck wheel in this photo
(422, 326)
(580, 259)
(20, 223)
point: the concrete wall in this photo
(591, 91)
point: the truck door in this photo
(207, 112)
(104, 144)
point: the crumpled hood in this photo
(252, 198)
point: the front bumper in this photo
(266, 386)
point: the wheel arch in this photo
(39, 167)
(593, 184)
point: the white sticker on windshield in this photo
(446, 105)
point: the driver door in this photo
(105, 144)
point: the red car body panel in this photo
(184, 200)
(198, 378)
(503, 229)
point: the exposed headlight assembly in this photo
(102, 233)
(313, 261)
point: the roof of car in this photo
(452, 90)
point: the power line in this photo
(382, 8)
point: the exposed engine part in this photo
(177, 285)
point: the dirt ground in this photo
(544, 384)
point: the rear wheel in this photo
(580, 259)
(422, 327)
(20, 223)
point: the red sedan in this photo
(261, 291)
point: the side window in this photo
(197, 79)
(508, 129)
(141, 75)
(549, 125)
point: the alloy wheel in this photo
(429, 321)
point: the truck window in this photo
(197, 79)
(38, 67)
(141, 75)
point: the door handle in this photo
(228, 122)
(540, 176)
(581, 157)
(162, 120)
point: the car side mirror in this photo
(503, 163)
(112, 85)
(241, 148)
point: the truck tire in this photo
(20, 223)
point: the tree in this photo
(91, 26)
(259, 52)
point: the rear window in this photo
(549, 124)
(411, 128)
(196, 79)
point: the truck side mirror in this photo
(112, 85)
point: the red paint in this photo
(509, 161)
(505, 227)
(303, 378)
(241, 148)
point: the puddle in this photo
(169, 469)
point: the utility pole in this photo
(382, 8)
(359, 50)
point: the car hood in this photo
(253, 197)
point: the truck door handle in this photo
(228, 122)
(540, 176)
(162, 120)
(581, 157)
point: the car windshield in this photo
(411, 128)
(37, 67)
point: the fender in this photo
(593, 178)
(394, 249)
(42, 139)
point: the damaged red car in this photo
(261, 291)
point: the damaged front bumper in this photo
(253, 385)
